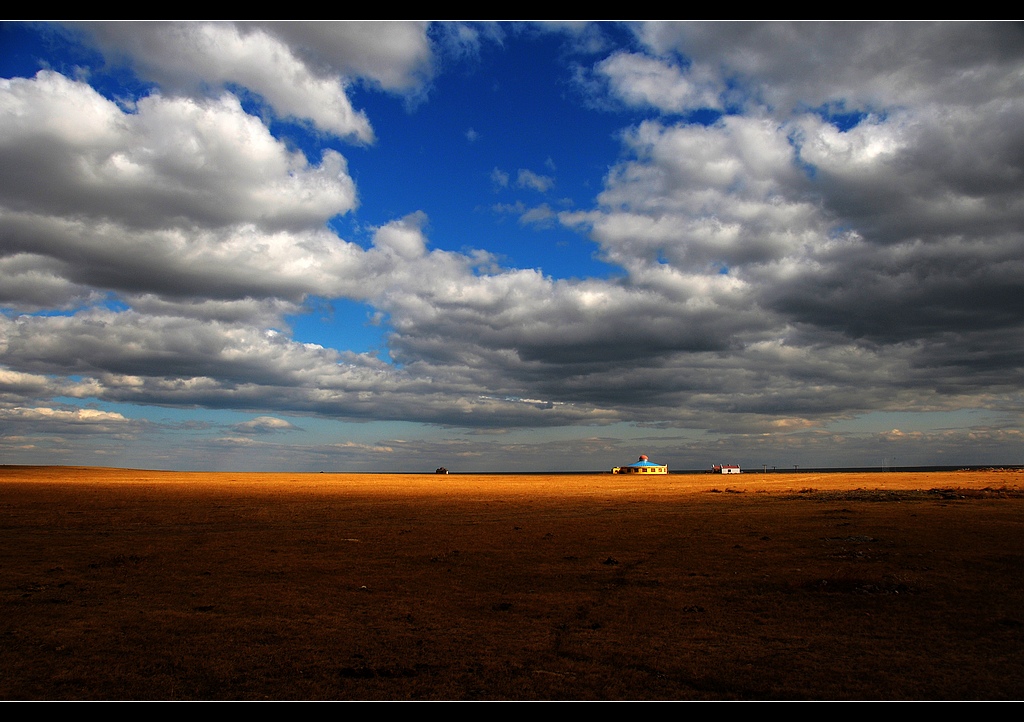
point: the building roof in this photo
(644, 461)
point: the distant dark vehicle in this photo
(440, 470)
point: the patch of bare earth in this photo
(121, 584)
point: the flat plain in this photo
(124, 584)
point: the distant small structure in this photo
(725, 469)
(642, 466)
(440, 470)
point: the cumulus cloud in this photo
(179, 198)
(775, 270)
(638, 79)
(893, 244)
(301, 70)
(171, 161)
(396, 55)
(788, 66)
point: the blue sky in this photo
(492, 246)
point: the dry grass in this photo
(124, 584)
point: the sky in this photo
(394, 246)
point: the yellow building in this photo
(643, 466)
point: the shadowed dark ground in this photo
(149, 585)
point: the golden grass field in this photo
(120, 584)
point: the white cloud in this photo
(172, 161)
(86, 416)
(178, 198)
(394, 54)
(264, 425)
(641, 80)
(704, 198)
(403, 238)
(499, 178)
(31, 422)
(529, 179)
(540, 216)
(189, 57)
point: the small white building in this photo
(642, 466)
(725, 469)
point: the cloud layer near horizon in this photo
(844, 237)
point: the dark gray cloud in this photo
(787, 66)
